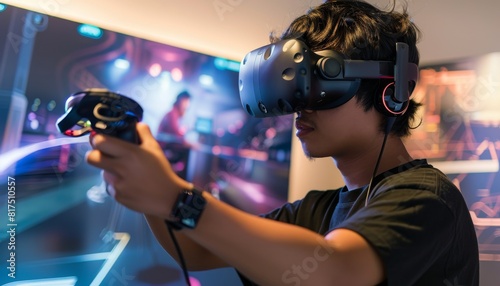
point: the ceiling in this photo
(231, 28)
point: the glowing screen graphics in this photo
(57, 224)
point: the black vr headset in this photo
(286, 77)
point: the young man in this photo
(407, 225)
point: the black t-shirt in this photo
(415, 219)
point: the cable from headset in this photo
(179, 254)
(388, 127)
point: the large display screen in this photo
(57, 224)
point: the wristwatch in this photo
(187, 209)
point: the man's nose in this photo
(305, 111)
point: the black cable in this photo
(179, 253)
(388, 127)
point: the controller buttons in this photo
(85, 129)
(101, 125)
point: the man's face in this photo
(343, 131)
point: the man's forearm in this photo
(195, 256)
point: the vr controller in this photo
(102, 111)
(286, 77)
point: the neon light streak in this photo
(109, 257)
(9, 158)
(61, 281)
(113, 256)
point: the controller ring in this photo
(101, 117)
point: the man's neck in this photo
(357, 170)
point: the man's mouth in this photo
(303, 128)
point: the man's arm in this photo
(195, 256)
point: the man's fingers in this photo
(116, 147)
(145, 133)
(142, 128)
(100, 160)
(111, 146)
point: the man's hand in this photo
(139, 176)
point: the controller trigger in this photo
(78, 132)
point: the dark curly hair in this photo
(360, 31)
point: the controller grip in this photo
(130, 134)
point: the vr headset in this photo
(286, 77)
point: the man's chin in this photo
(308, 155)
(311, 158)
(311, 154)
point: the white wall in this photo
(230, 28)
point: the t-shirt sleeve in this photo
(312, 212)
(397, 223)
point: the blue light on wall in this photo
(90, 31)
(206, 80)
(2, 7)
(122, 64)
(224, 64)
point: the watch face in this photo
(189, 222)
(188, 208)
